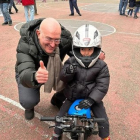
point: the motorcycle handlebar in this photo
(99, 119)
(47, 118)
(61, 119)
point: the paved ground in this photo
(121, 42)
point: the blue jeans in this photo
(5, 12)
(73, 4)
(136, 10)
(11, 4)
(130, 12)
(122, 6)
(26, 11)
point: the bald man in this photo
(42, 42)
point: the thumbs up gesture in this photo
(41, 74)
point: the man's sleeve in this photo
(26, 70)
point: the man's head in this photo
(49, 34)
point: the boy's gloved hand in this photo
(71, 69)
(86, 103)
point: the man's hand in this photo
(102, 55)
(41, 75)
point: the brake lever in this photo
(62, 119)
(51, 126)
(63, 126)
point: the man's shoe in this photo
(5, 23)
(11, 13)
(135, 16)
(56, 102)
(122, 14)
(16, 10)
(29, 114)
(10, 23)
(79, 14)
(71, 15)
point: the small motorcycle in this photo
(79, 123)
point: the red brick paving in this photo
(122, 55)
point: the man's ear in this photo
(38, 33)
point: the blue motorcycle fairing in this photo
(74, 110)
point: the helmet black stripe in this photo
(86, 30)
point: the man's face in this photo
(48, 41)
(86, 51)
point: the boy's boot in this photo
(108, 138)
(10, 11)
(29, 114)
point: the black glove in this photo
(86, 103)
(71, 69)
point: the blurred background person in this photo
(131, 6)
(137, 8)
(122, 6)
(28, 9)
(4, 6)
(73, 4)
(12, 3)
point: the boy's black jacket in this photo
(84, 83)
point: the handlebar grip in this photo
(99, 120)
(47, 119)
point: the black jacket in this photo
(29, 52)
(132, 3)
(92, 82)
(4, 1)
(137, 4)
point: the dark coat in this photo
(29, 52)
(92, 82)
(137, 3)
(131, 3)
(4, 1)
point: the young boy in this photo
(86, 77)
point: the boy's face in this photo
(86, 51)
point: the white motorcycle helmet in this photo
(86, 36)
